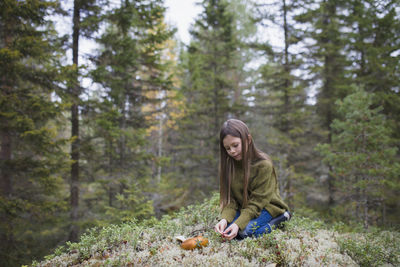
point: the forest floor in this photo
(303, 242)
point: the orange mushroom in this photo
(195, 242)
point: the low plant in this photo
(302, 242)
(372, 249)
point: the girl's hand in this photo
(220, 226)
(231, 231)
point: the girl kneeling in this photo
(249, 193)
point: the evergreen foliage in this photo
(86, 15)
(326, 62)
(212, 62)
(32, 158)
(372, 43)
(281, 100)
(140, 139)
(363, 158)
(132, 76)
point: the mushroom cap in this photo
(195, 242)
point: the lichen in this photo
(303, 242)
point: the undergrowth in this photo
(372, 249)
(302, 242)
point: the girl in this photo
(249, 194)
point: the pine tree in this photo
(133, 77)
(31, 156)
(362, 157)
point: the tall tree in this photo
(372, 45)
(31, 157)
(85, 21)
(211, 61)
(242, 73)
(281, 95)
(168, 194)
(327, 63)
(133, 75)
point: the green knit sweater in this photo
(263, 192)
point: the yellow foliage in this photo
(172, 108)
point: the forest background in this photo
(141, 138)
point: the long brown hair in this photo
(250, 153)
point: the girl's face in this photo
(233, 146)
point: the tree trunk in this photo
(5, 156)
(383, 211)
(327, 95)
(287, 84)
(365, 202)
(122, 126)
(110, 194)
(6, 237)
(5, 149)
(75, 146)
(160, 144)
(6, 187)
(358, 200)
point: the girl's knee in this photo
(253, 229)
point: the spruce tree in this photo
(326, 62)
(362, 157)
(132, 75)
(281, 97)
(372, 45)
(31, 156)
(211, 62)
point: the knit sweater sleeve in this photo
(229, 211)
(261, 190)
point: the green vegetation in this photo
(129, 129)
(374, 248)
(302, 242)
(362, 157)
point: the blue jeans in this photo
(256, 227)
